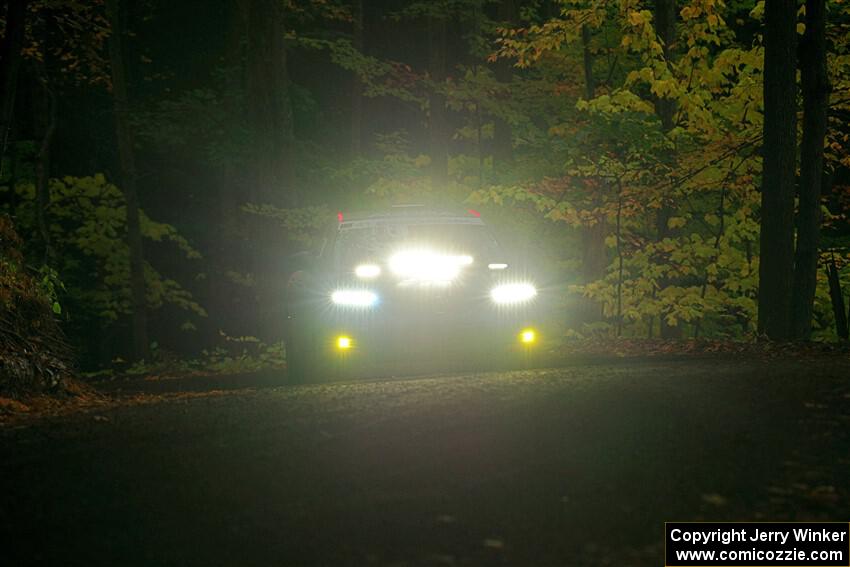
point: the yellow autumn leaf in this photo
(676, 222)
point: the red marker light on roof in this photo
(339, 216)
(473, 212)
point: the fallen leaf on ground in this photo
(714, 499)
(8, 404)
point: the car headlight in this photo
(512, 293)
(367, 271)
(527, 336)
(354, 298)
(427, 266)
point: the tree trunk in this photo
(837, 300)
(503, 146)
(618, 234)
(665, 28)
(46, 112)
(229, 232)
(356, 86)
(10, 62)
(124, 136)
(270, 109)
(776, 246)
(587, 59)
(594, 261)
(594, 253)
(437, 129)
(815, 86)
(269, 103)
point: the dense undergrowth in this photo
(239, 355)
(34, 356)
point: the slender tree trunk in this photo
(127, 158)
(270, 108)
(229, 232)
(356, 86)
(776, 248)
(594, 261)
(721, 214)
(437, 128)
(619, 260)
(815, 86)
(269, 103)
(665, 28)
(837, 300)
(10, 62)
(286, 130)
(46, 109)
(503, 152)
(594, 253)
(587, 59)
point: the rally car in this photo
(410, 285)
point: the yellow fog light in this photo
(343, 343)
(527, 336)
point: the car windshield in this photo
(375, 242)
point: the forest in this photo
(677, 169)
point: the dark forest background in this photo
(163, 161)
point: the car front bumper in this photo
(428, 334)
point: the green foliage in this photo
(238, 355)
(88, 233)
(33, 353)
(301, 225)
(622, 168)
(51, 287)
(379, 78)
(675, 199)
(203, 123)
(68, 36)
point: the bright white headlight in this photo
(367, 271)
(427, 266)
(354, 298)
(512, 293)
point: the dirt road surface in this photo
(579, 465)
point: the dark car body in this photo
(425, 300)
